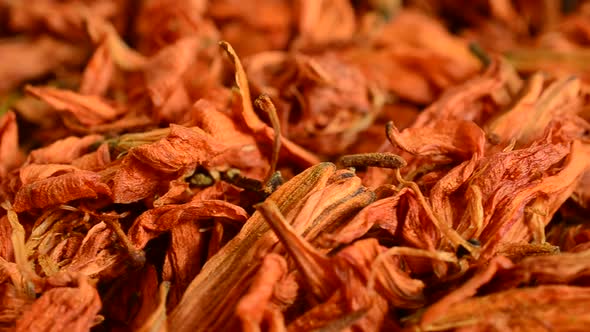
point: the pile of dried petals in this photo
(361, 165)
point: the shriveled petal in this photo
(452, 137)
(182, 149)
(557, 307)
(466, 290)
(160, 219)
(166, 68)
(23, 59)
(63, 151)
(36, 172)
(72, 308)
(183, 258)
(98, 73)
(88, 110)
(10, 155)
(252, 306)
(60, 189)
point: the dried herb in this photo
(355, 165)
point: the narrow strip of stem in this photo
(376, 159)
(137, 256)
(480, 53)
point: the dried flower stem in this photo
(137, 256)
(480, 53)
(377, 159)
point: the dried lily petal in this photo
(465, 291)
(242, 152)
(563, 268)
(547, 195)
(60, 189)
(253, 305)
(146, 165)
(6, 249)
(323, 275)
(484, 209)
(325, 22)
(165, 69)
(65, 19)
(556, 307)
(163, 22)
(94, 161)
(88, 110)
(98, 72)
(555, 102)
(306, 257)
(95, 257)
(455, 138)
(183, 258)
(28, 59)
(63, 151)
(176, 152)
(63, 308)
(35, 172)
(10, 156)
(26, 275)
(157, 320)
(381, 213)
(157, 220)
(124, 57)
(329, 208)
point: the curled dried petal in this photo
(88, 110)
(160, 219)
(10, 155)
(252, 306)
(60, 189)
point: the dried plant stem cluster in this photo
(304, 165)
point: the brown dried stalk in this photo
(377, 159)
